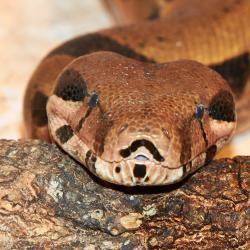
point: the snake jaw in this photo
(133, 173)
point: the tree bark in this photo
(48, 201)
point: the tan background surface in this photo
(28, 30)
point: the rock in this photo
(50, 201)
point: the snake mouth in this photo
(142, 171)
(137, 171)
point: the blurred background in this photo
(28, 31)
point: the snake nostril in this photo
(139, 170)
(118, 169)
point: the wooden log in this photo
(48, 201)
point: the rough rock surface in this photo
(47, 201)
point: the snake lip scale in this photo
(138, 110)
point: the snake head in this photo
(134, 123)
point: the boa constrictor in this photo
(132, 104)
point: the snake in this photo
(147, 103)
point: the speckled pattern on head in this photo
(131, 117)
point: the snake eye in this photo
(199, 112)
(93, 100)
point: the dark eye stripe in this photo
(90, 161)
(210, 153)
(82, 120)
(103, 126)
(186, 144)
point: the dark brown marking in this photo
(80, 123)
(235, 71)
(82, 120)
(184, 169)
(96, 42)
(222, 107)
(166, 133)
(93, 158)
(186, 143)
(90, 160)
(88, 155)
(210, 153)
(64, 133)
(71, 86)
(104, 125)
(154, 14)
(142, 143)
(139, 171)
(203, 132)
(38, 109)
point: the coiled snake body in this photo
(132, 105)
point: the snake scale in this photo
(147, 103)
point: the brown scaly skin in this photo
(210, 14)
(127, 107)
